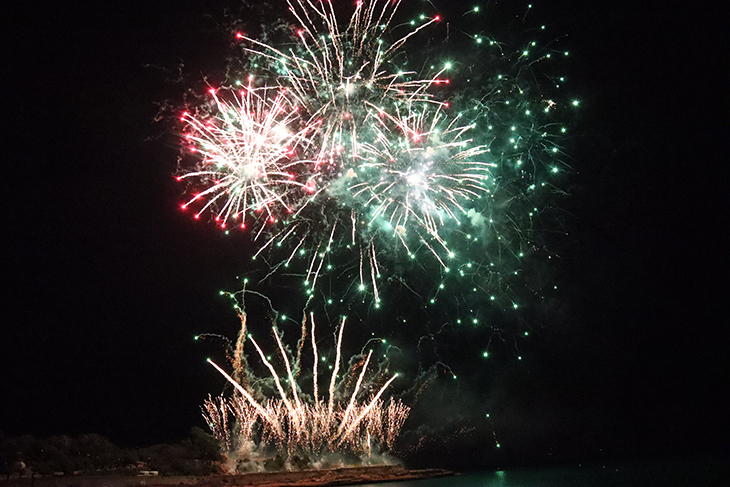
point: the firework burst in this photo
(248, 148)
(360, 172)
(419, 173)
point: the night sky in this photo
(106, 282)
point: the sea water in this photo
(709, 472)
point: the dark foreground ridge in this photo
(303, 478)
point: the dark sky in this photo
(106, 281)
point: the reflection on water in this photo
(709, 472)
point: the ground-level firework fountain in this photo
(353, 421)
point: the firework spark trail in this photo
(335, 371)
(329, 53)
(288, 369)
(374, 272)
(300, 343)
(239, 359)
(246, 419)
(279, 388)
(365, 411)
(315, 363)
(322, 255)
(259, 409)
(215, 412)
(348, 410)
(308, 427)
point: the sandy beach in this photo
(309, 478)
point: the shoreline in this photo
(301, 478)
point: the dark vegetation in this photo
(93, 454)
